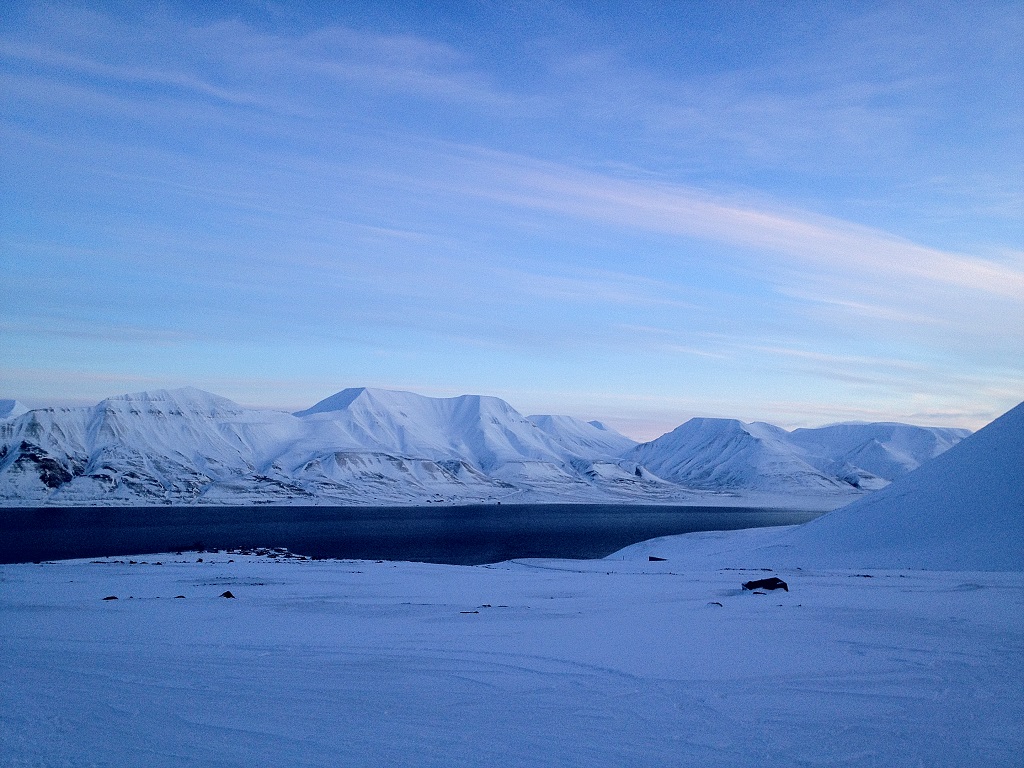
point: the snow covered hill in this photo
(372, 446)
(729, 454)
(486, 432)
(360, 446)
(874, 454)
(587, 437)
(962, 511)
(726, 453)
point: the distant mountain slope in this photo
(485, 431)
(144, 447)
(11, 409)
(728, 454)
(586, 438)
(883, 450)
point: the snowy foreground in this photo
(615, 662)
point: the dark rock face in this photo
(52, 473)
(770, 583)
(227, 594)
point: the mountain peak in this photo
(11, 409)
(191, 398)
(339, 401)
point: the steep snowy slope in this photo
(486, 432)
(585, 438)
(726, 454)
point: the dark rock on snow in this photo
(771, 583)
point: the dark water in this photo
(465, 535)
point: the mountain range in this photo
(379, 447)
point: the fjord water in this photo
(463, 535)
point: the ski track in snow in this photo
(615, 662)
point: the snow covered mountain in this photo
(962, 511)
(11, 409)
(360, 446)
(588, 437)
(140, 448)
(726, 454)
(486, 432)
(372, 446)
(872, 455)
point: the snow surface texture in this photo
(538, 663)
(964, 510)
(369, 446)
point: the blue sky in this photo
(792, 212)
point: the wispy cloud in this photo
(800, 236)
(342, 193)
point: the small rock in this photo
(773, 582)
(110, 597)
(227, 594)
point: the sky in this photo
(799, 213)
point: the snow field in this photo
(616, 662)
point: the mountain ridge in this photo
(373, 446)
